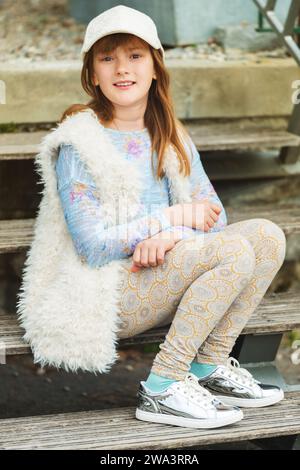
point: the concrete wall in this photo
(182, 22)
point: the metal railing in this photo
(285, 32)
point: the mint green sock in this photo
(201, 369)
(158, 383)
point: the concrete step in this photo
(118, 428)
(201, 88)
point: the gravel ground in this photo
(43, 30)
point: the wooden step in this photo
(206, 137)
(277, 313)
(222, 137)
(20, 145)
(119, 429)
(247, 165)
(286, 216)
(16, 234)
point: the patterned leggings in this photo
(207, 288)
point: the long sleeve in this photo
(201, 188)
(80, 199)
(185, 232)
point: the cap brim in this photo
(83, 52)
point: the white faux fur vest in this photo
(69, 310)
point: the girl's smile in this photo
(124, 87)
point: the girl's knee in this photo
(270, 228)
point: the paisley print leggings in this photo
(207, 288)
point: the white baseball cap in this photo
(121, 19)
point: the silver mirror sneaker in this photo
(235, 386)
(185, 403)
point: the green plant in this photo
(8, 127)
(293, 336)
(149, 348)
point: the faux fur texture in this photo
(69, 310)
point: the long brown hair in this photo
(160, 120)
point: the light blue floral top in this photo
(97, 244)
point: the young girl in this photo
(187, 267)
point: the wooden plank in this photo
(17, 234)
(207, 140)
(286, 216)
(18, 152)
(277, 313)
(20, 145)
(206, 137)
(246, 165)
(118, 429)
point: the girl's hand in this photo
(151, 252)
(197, 214)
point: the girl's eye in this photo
(108, 57)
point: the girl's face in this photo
(130, 63)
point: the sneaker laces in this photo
(190, 385)
(239, 373)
